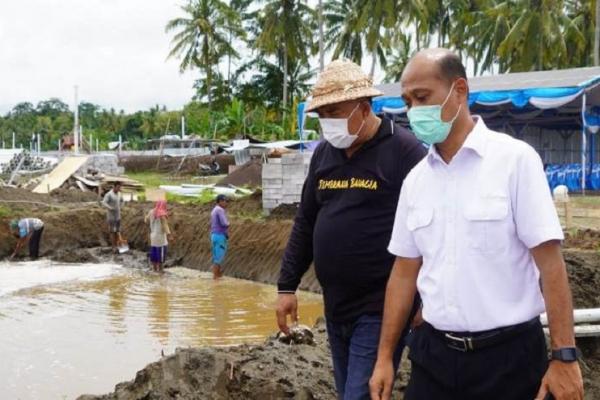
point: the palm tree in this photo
(201, 39)
(286, 30)
(236, 30)
(343, 34)
(400, 52)
(538, 37)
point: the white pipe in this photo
(120, 143)
(39, 144)
(13, 141)
(91, 144)
(580, 316)
(96, 145)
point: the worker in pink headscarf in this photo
(160, 234)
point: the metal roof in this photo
(519, 80)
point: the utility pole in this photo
(182, 127)
(76, 123)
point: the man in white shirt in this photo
(475, 233)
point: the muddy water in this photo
(71, 329)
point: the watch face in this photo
(568, 354)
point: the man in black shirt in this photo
(345, 221)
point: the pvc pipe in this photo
(580, 316)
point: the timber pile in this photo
(95, 181)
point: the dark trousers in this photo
(354, 352)
(34, 243)
(511, 370)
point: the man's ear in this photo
(365, 108)
(461, 87)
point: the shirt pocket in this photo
(419, 221)
(487, 224)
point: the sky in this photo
(115, 51)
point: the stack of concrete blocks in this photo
(283, 178)
(107, 164)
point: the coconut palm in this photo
(400, 52)
(344, 35)
(201, 38)
(286, 30)
(538, 35)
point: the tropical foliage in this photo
(256, 60)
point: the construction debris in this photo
(25, 161)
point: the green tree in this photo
(344, 34)
(202, 37)
(286, 31)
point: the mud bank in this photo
(271, 371)
(256, 244)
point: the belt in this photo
(468, 342)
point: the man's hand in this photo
(287, 304)
(382, 380)
(563, 380)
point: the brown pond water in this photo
(69, 329)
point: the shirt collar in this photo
(475, 141)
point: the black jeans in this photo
(511, 370)
(34, 243)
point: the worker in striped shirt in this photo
(27, 230)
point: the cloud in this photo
(114, 50)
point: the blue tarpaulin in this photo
(570, 176)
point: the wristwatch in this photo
(565, 354)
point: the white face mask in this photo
(335, 131)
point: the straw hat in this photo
(340, 81)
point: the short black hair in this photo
(451, 67)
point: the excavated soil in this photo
(257, 245)
(249, 175)
(586, 239)
(170, 164)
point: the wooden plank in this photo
(63, 171)
(86, 181)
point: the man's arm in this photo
(538, 227)
(223, 220)
(20, 243)
(105, 202)
(399, 297)
(562, 379)
(299, 251)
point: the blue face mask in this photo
(427, 124)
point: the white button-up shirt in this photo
(473, 221)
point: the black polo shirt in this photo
(345, 219)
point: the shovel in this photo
(122, 245)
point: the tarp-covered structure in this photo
(557, 112)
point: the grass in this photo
(5, 212)
(152, 180)
(586, 201)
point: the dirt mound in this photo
(249, 174)
(583, 268)
(249, 205)
(586, 239)
(271, 371)
(73, 196)
(284, 211)
(170, 164)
